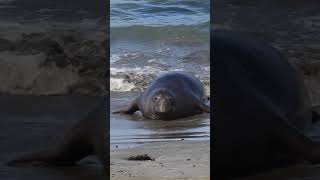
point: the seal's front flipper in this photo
(206, 100)
(130, 109)
(202, 106)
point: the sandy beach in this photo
(172, 160)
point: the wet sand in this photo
(33, 123)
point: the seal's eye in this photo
(170, 99)
(155, 98)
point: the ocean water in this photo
(148, 38)
(126, 13)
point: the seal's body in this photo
(170, 96)
(262, 108)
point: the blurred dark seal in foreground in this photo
(262, 108)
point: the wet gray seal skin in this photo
(170, 96)
(262, 109)
(87, 137)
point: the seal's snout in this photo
(163, 104)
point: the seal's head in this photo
(163, 102)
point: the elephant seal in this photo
(170, 96)
(87, 137)
(262, 108)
